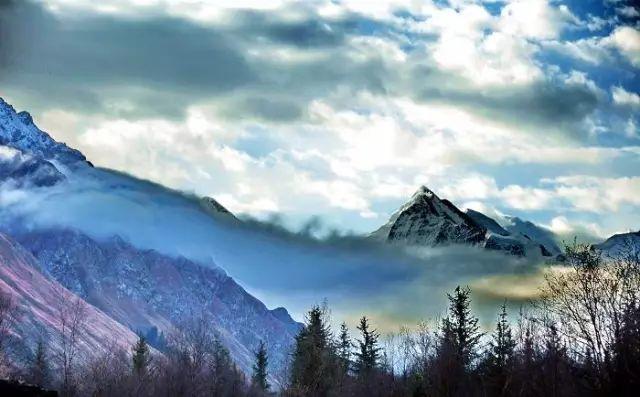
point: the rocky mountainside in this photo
(42, 303)
(427, 220)
(620, 243)
(139, 288)
(148, 291)
(17, 130)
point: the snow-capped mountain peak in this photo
(18, 130)
(428, 220)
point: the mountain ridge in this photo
(428, 220)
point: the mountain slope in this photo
(427, 220)
(17, 130)
(620, 243)
(144, 290)
(140, 288)
(41, 300)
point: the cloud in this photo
(598, 194)
(331, 107)
(624, 98)
(282, 267)
(627, 41)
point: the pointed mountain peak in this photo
(18, 130)
(424, 191)
(26, 118)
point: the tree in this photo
(39, 371)
(344, 348)
(72, 320)
(314, 360)
(141, 357)
(500, 356)
(259, 377)
(502, 344)
(463, 327)
(457, 347)
(368, 351)
(8, 314)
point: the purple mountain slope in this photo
(41, 300)
(138, 288)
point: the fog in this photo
(392, 285)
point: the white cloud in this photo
(535, 19)
(628, 11)
(597, 194)
(624, 98)
(627, 41)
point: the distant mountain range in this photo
(427, 220)
(129, 289)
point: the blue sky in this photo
(341, 109)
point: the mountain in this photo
(213, 207)
(146, 290)
(620, 243)
(427, 220)
(531, 232)
(17, 130)
(24, 170)
(141, 289)
(41, 300)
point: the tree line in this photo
(580, 338)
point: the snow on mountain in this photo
(17, 130)
(428, 220)
(139, 288)
(486, 222)
(24, 170)
(213, 207)
(41, 300)
(620, 244)
(144, 289)
(532, 232)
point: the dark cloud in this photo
(133, 68)
(152, 60)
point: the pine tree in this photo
(344, 348)
(40, 374)
(313, 366)
(465, 328)
(141, 357)
(259, 378)
(503, 344)
(368, 351)
(500, 357)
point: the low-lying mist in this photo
(357, 277)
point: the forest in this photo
(581, 338)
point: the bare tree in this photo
(71, 324)
(8, 316)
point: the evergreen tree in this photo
(259, 378)
(344, 348)
(313, 366)
(502, 344)
(500, 355)
(368, 351)
(463, 327)
(39, 371)
(141, 357)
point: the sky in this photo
(340, 110)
